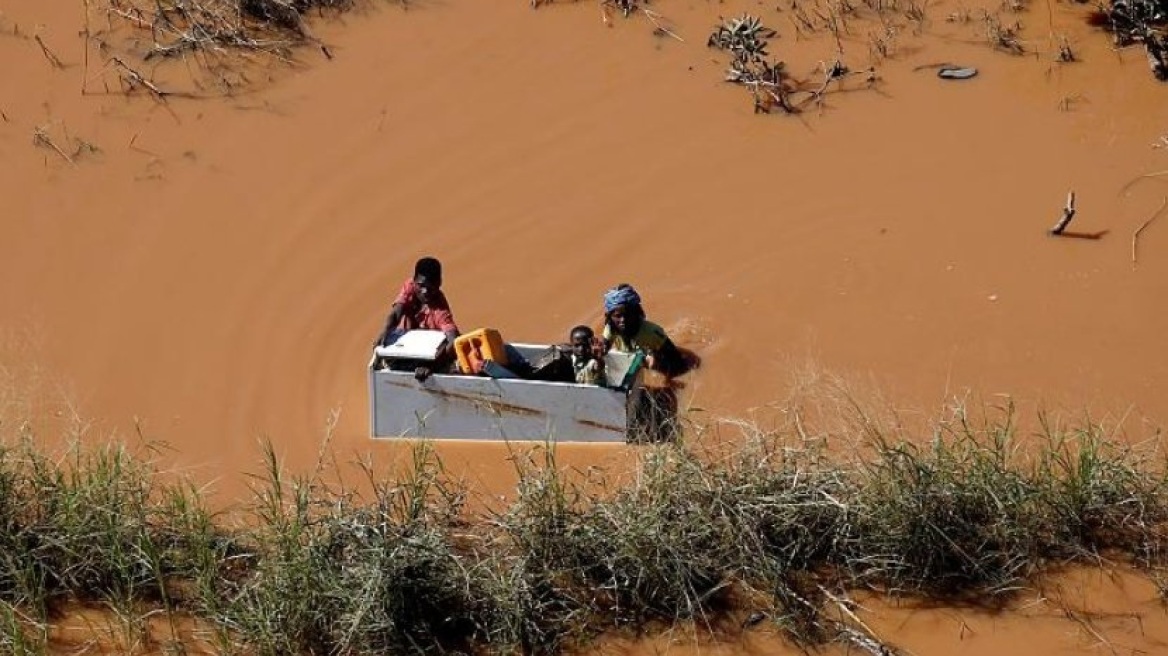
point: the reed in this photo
(782, 523)
(329, 574)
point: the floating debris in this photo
(746, 35)
(1068, 214)
(956, 72)
(1139, 21)
(745, 39)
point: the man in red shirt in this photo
(421, 305)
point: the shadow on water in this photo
(1082, 235)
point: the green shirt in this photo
(648, 339)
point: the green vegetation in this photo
(778, 526)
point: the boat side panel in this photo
(471, 407)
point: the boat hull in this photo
(481, 408)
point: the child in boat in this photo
(421, 305)
(587, 360)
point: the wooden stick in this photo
(836, 71)
(42, 138)
(934, 65)
(1068, 214)
(1136, 234)
(53, 60)
(137, 20)
(652, 16)
(845, 610)
(85, 56)
(137, 78)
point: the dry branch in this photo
(837, 70)
(134, 78)
(1089, 627)
(1003, 37)
(54, 61)
(1068, 214)
(1136, 179)
(218, 34)
(653, 16)
(85, 51)
(1145, 224)
(40, 137)
(746, 39)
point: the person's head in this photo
(428, 278)
(581, 337)
(622, 309)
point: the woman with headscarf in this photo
(626, 329)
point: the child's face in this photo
(428, 288)
(582, 344)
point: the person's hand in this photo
(651, 362)
(422, 373)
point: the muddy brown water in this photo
(214, 274)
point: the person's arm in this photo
(391, 322)
(446, 351)
(403, 302)
(445, 321)
(667, 359)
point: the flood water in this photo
(212, 272)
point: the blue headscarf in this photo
(622, 294)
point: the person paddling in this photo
(627, 330)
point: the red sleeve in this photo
(443, 319)
(406, 295)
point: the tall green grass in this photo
(780, 525)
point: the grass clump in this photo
(95, 526)
(331, 575)
(776, 525)
(952, 518)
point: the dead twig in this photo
(1068, 214)
(85, 51)
(1065, 54)
(843, 607)
(133, 77)
(1067, 103)
(837, 70)
(1145, 224)
(653, 16)
(934, 65)
(54, 61)
(1003, 37)
(1123, 189)
(40, 137)
(1089, 627)
(139, 148)
(865, 638)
